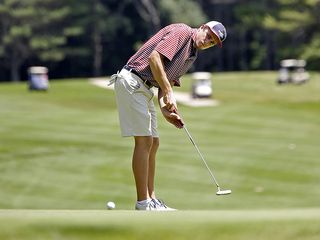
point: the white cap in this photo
(219, 31)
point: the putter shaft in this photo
(202, 158)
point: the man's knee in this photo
(143, 142)
(155, 142)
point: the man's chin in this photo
(203, 48)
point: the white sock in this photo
(143, 202)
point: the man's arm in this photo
(157, 69)
(171, 117)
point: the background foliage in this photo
(94, 38)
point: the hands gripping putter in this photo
(219, 191)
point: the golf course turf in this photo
(62, 159)
(99, 224)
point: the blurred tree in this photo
(253, 38)
(108, 35)
(147, 10)
(298, 27)
(134, 21)
(95, 37)
(112, 30)
(279, 29)
(100, 17)
(33, 28)
(184, 11)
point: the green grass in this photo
(97, 224)
(62, 150)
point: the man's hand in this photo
(172, 117)
(169, 108)
(170, 101)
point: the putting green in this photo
(99, 224)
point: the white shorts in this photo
(137, 113)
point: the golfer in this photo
(159, 64)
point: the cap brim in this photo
(216, 38)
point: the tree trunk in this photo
(14, 68)
(149, 13)
(98, 48)
(97, 44)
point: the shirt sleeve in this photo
(172, 42)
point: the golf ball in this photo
(111, 205)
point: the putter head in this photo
(223, 192)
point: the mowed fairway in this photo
(98, 224)
(61, 151)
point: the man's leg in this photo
(140, 165)
(152, 166)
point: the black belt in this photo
(146, 82)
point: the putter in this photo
(219, 192)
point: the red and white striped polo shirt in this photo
(175, 42)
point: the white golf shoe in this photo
(147, 206)
(162, 206)
(153, 205)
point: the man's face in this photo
(205, 38)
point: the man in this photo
(159, 63)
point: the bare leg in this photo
(152, 167)
(140, 165)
